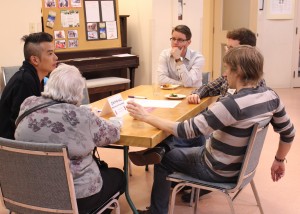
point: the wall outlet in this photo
(32, 27)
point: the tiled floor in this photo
(282, 197)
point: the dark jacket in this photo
(23, 84)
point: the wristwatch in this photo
(179, 60)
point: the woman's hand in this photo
(137, 111)
(193, 99)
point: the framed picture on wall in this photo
(280, 9)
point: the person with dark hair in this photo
(228, 123)
(236, 37)
(180, 65)
(40, 60)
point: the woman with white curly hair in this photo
(58, 118)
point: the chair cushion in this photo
(105, 81)
(186, 178)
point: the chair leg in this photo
(173, 197)
(117, 207)
(230, 202)
(256, 196)
(238, 192)
(192, 196)
(196, 200)
(113, 204)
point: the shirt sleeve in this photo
(282, 124)
(163, 70)
(213, 88)
(103, 131)
(192, 76)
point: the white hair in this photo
(65, 84)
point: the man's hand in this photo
(137, 111)
(277, 170)
(176, 52)
(193, 99)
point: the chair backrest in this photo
(205, 77)
(251, 159)
(8, 72)
(86, 98)
(35, 178)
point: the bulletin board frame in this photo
(73, 35)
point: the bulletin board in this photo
(82, 24)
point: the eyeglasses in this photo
(178, 40)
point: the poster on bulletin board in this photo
(82, 24)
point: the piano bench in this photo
(107, 84)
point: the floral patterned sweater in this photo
(78, 128)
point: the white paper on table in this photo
(156, 103)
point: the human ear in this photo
(34, 60)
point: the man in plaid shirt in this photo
(219, 86)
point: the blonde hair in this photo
(248, 60)
(65, 84)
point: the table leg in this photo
(126, 149)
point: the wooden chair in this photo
(86, 97)
(36, 178)
(247, 173)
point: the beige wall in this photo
(139, 34)
(148, 27)
(15, 18)
(152, 20)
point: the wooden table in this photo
(140, 134)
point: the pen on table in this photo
(137, 97)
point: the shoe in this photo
(148, 156)
(187, 196)
(147, 211)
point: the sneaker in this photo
(187, 196)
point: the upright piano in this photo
(102, 63)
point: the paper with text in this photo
(115, 105)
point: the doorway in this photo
(296, 75)
(229, 15)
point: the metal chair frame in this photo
(31, 174)
(247, 173)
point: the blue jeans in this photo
(186, 160)
(174, 142)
